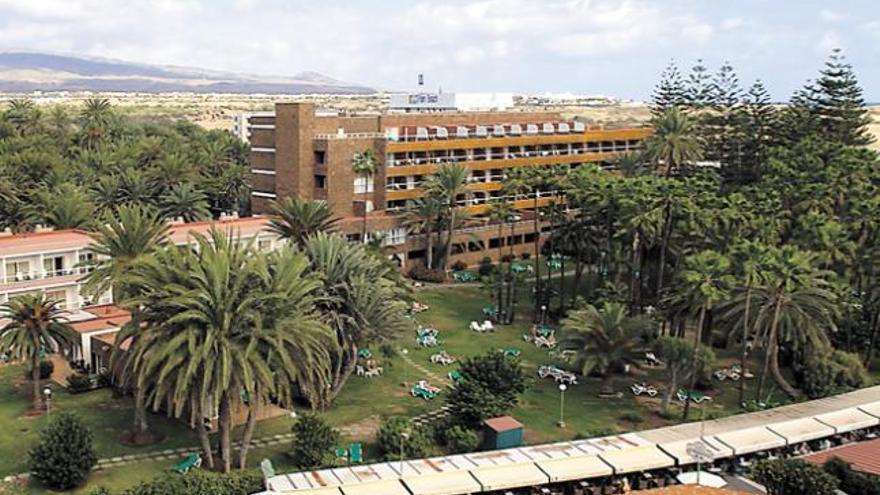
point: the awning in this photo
(451, 483)
(751, 440)
(802, 430)
(385, 487)
(311, 482)
(310, 491)
(510, 476)
(679, 450)
(873, 409)
(637, 459)
(575, 468)
(848, 420)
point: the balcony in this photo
(403, 162)
(44, 274)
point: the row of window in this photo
(508, 152)
(53, 266)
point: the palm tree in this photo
(24, 116)
(500, 212)
(185, 201)
(225, 324)
(674, 142)
(123, 241)
(67, 207)
(35, 326)
(631, 164)
(297, 219)
(95, 118)
(364, 167)
(423, 218)
(704, 282)
(447, 184)
(605, 339)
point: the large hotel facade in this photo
(300, 152)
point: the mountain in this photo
(23, 72)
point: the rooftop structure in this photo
(863, 456)
(446, 102)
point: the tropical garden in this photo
(744, 235)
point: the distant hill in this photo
(32, 71)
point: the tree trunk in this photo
(36, 395)
(745, 347)
(636, 275)
(202, 432)
(869, 355)
(225, 421)
(538, 295)
(499, 280)
(253, 410)
(450, 232)
(509, 308)
(693, 380)
(664, 246)
(667, 395)
(429, 255)
(768, 349)
(777, 373)
(562, 287)
(348, 362)
(140, 415)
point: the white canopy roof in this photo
(802, 430)
(385, 487)
(327, 490)
(450, 483)
(751, 440)
(285, 483)
(848, 420)
(637, 459)
(559, 450)
(575, 468)
(873, 409)
(512, 476)
(679, 450)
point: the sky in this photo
(609, 47)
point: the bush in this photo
(46, 369)
(830, 372)
(424, 274)
(64, 455)
(79, 382)
(105, 379)
(391, 434)
(460, 440)
(486, 267)
(491, 387)
(459, 266)
(852, 481)
(632, 417)
(794, 477)
(313, 441)
(199, 482)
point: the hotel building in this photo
(299, 152)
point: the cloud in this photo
(829, 15)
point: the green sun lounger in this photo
(191, 461)
(455, 376)
(355, 453)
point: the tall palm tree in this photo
(95, 118)
(119, 244)
(35, 325)
(704, 282)
(423, 218)
(297, 219)
(24, 116)
(604, 339)
(225, 324)
(185, 201)
(500, 212)
(364, 166)
(674, 142)
(447, 184)
(67, 207)
(631, 164)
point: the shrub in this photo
(486, 267)
(313, 441)
(64, 455)
(601, 431)
(460, 440)
(794, 477)
(830, 372)
(491, 387)
(105, 379)
(459, 266)
(424, 274)
(199, 482)
(417, 443)
(79, 382)
(852, 481)
(632, 417)
(46, 369)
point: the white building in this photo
(450, 102)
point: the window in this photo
(320, 157)
(18, 270)
(87, 260)
(395, 237)
(57, 295)
(320, 182)
(353, 238)
(363, 185)
(53, 266)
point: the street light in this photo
(47, 393)
(561, 422)
(405, 351)
(403, 437)
(543, 315)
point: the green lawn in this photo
(364, 402)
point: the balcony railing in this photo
(403, 162)
(44, 274)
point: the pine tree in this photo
(839, 105)
(669, 92)
(798, 120)
(758, 127)
(723, 139)
(698, 93)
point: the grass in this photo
(364, 402)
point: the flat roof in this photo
(751, 440)
(637, 459)
(503, 423)
(513, 476)
(802, 430)
(679, 450)
(447, 483)
(849, 419)
(575, 468)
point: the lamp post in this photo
(403, 437)
(47, 394)
(543, 316)
(405, 351)
(561, 422)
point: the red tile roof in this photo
(106, 317)
(863, 456)
(689, 490)
(110, 339)
(503, 423)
